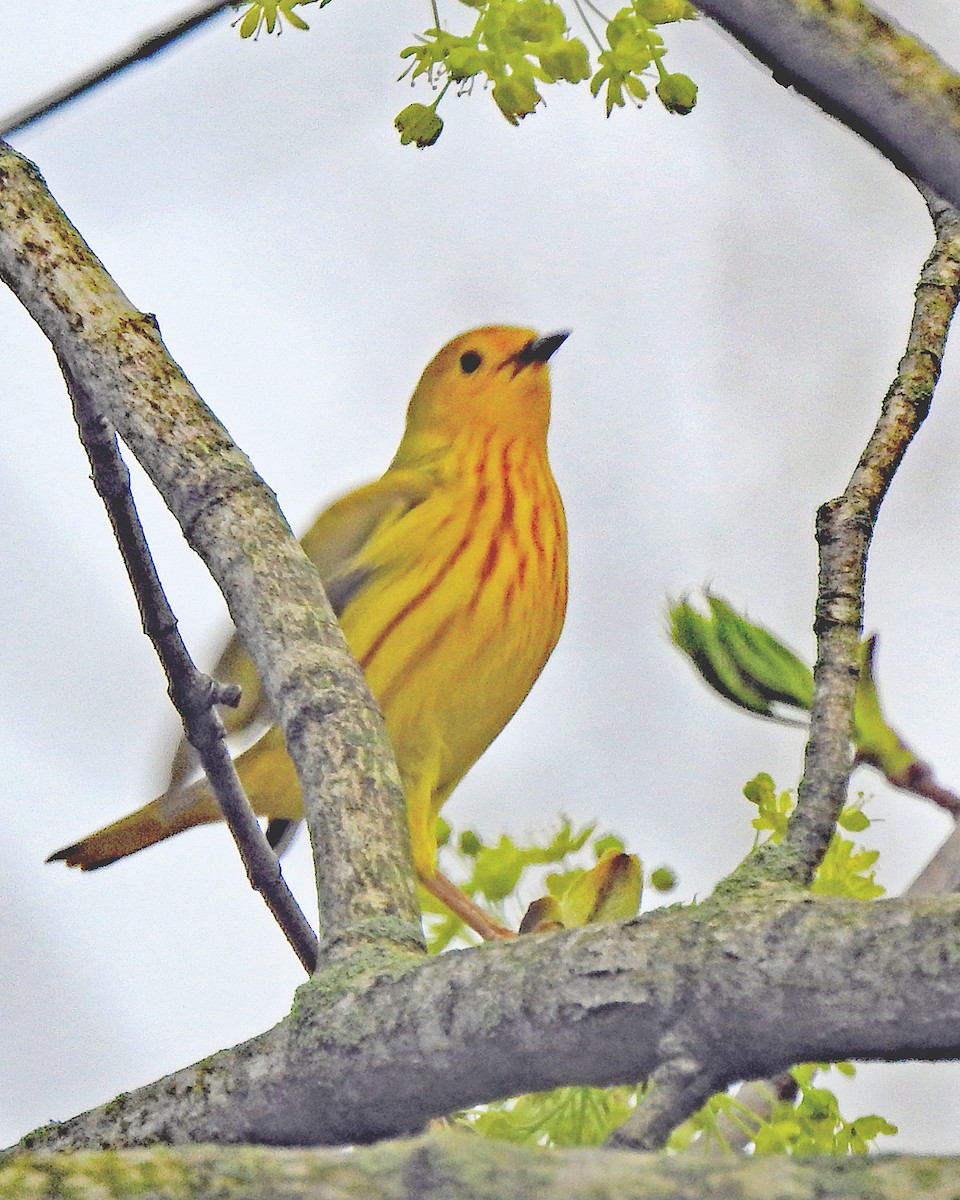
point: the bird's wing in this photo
(332, 543)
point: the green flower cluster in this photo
(515, 45)
(519, 46)
(633, 47)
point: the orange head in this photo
(495, 376)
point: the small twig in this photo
(193, 693)
(140, 50)
(844, 529)
(680, 1084)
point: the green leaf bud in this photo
(610, 891)
(463, 62)
(663, 879)
(470, 844)
(543, 916)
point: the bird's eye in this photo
(469, 362)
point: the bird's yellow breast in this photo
(465, 604)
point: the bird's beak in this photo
(541, 348)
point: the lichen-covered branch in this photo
(857, 65)
(453, 1164)
(335, 734)
(750, 987)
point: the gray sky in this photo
(739, 284)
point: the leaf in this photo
(876, 741)
(699, 638)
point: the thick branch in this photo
(335, 734)
(861, 68)
(777, 978)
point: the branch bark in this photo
(749, 987)
(352, 795)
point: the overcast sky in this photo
(739, 285)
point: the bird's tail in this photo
(169, 814)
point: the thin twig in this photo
(844, 529)
(193, 693)
(143, 48)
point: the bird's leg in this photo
(465, 908)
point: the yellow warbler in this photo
(449, 578)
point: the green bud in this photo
(662, 12)
(516, 97)
(470, 844)
(420, 124)
(463, 62)
(543, 916)
(663, 879)
(678, 94)
(566, 59)
(610, 891)
(630, 53)
(536, 20)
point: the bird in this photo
(448, 576)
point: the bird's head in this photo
(494, 376)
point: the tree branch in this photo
(352, 795)
(194, 694)
(859, 67)
(750, 987)
(468, 1167)
(139, 51)
(844, 530)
